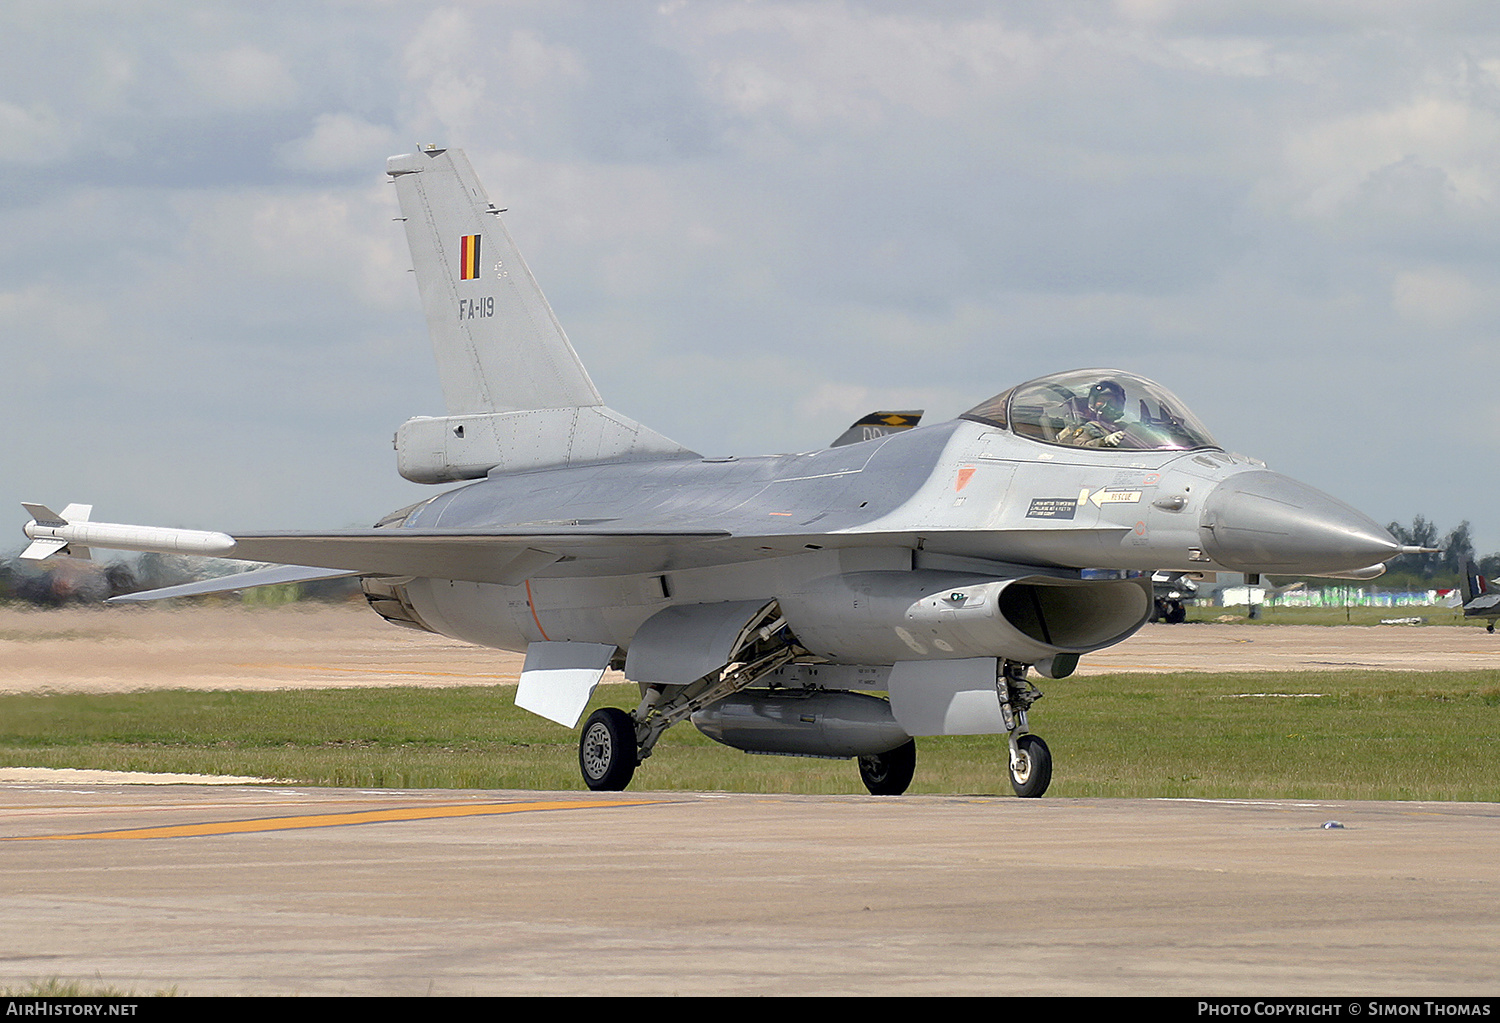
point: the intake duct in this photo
(885, 617)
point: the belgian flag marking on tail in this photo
(468, 247)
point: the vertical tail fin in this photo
(518, 397)
(499, 347)
(1475, 585)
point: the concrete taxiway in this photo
(269, 890)
(309, 891)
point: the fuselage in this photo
(959, 496)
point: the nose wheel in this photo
(1030, 766)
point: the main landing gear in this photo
(608, 755)
(889, 773)
(614, 741)
(607, 750)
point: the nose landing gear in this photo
(1030, 759)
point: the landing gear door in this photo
(681, 644)
(953, 697)
(558, 679)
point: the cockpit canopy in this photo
(1096, 408)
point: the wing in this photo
(506, 555)
(509, 555)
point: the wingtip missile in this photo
(72, 532)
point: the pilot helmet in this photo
(1107, 400)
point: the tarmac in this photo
(270, 890)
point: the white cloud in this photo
(1329, 161)
(339, 142)
(34, 135)
(341, 245)
(1437, 297)
(821, 65)
(442, 62)
(242, 77)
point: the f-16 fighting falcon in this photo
(768, 600)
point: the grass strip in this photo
(1315, 735)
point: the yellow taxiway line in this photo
(336, 820)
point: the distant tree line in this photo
(1439, 570)
(61, 580)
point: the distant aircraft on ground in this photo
(1479, 600)
(766, 599)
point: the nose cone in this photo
(1262, 521)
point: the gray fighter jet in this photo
(769, 599)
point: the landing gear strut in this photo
(1030, 759)
(614, 742)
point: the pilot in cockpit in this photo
(1096, 422)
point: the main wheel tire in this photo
(889, 773)
(1031, 776)
(1176, 614)
(607, 751)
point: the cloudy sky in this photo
(756, 220)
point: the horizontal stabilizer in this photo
(272, 576)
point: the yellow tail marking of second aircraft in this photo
(335, 820)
